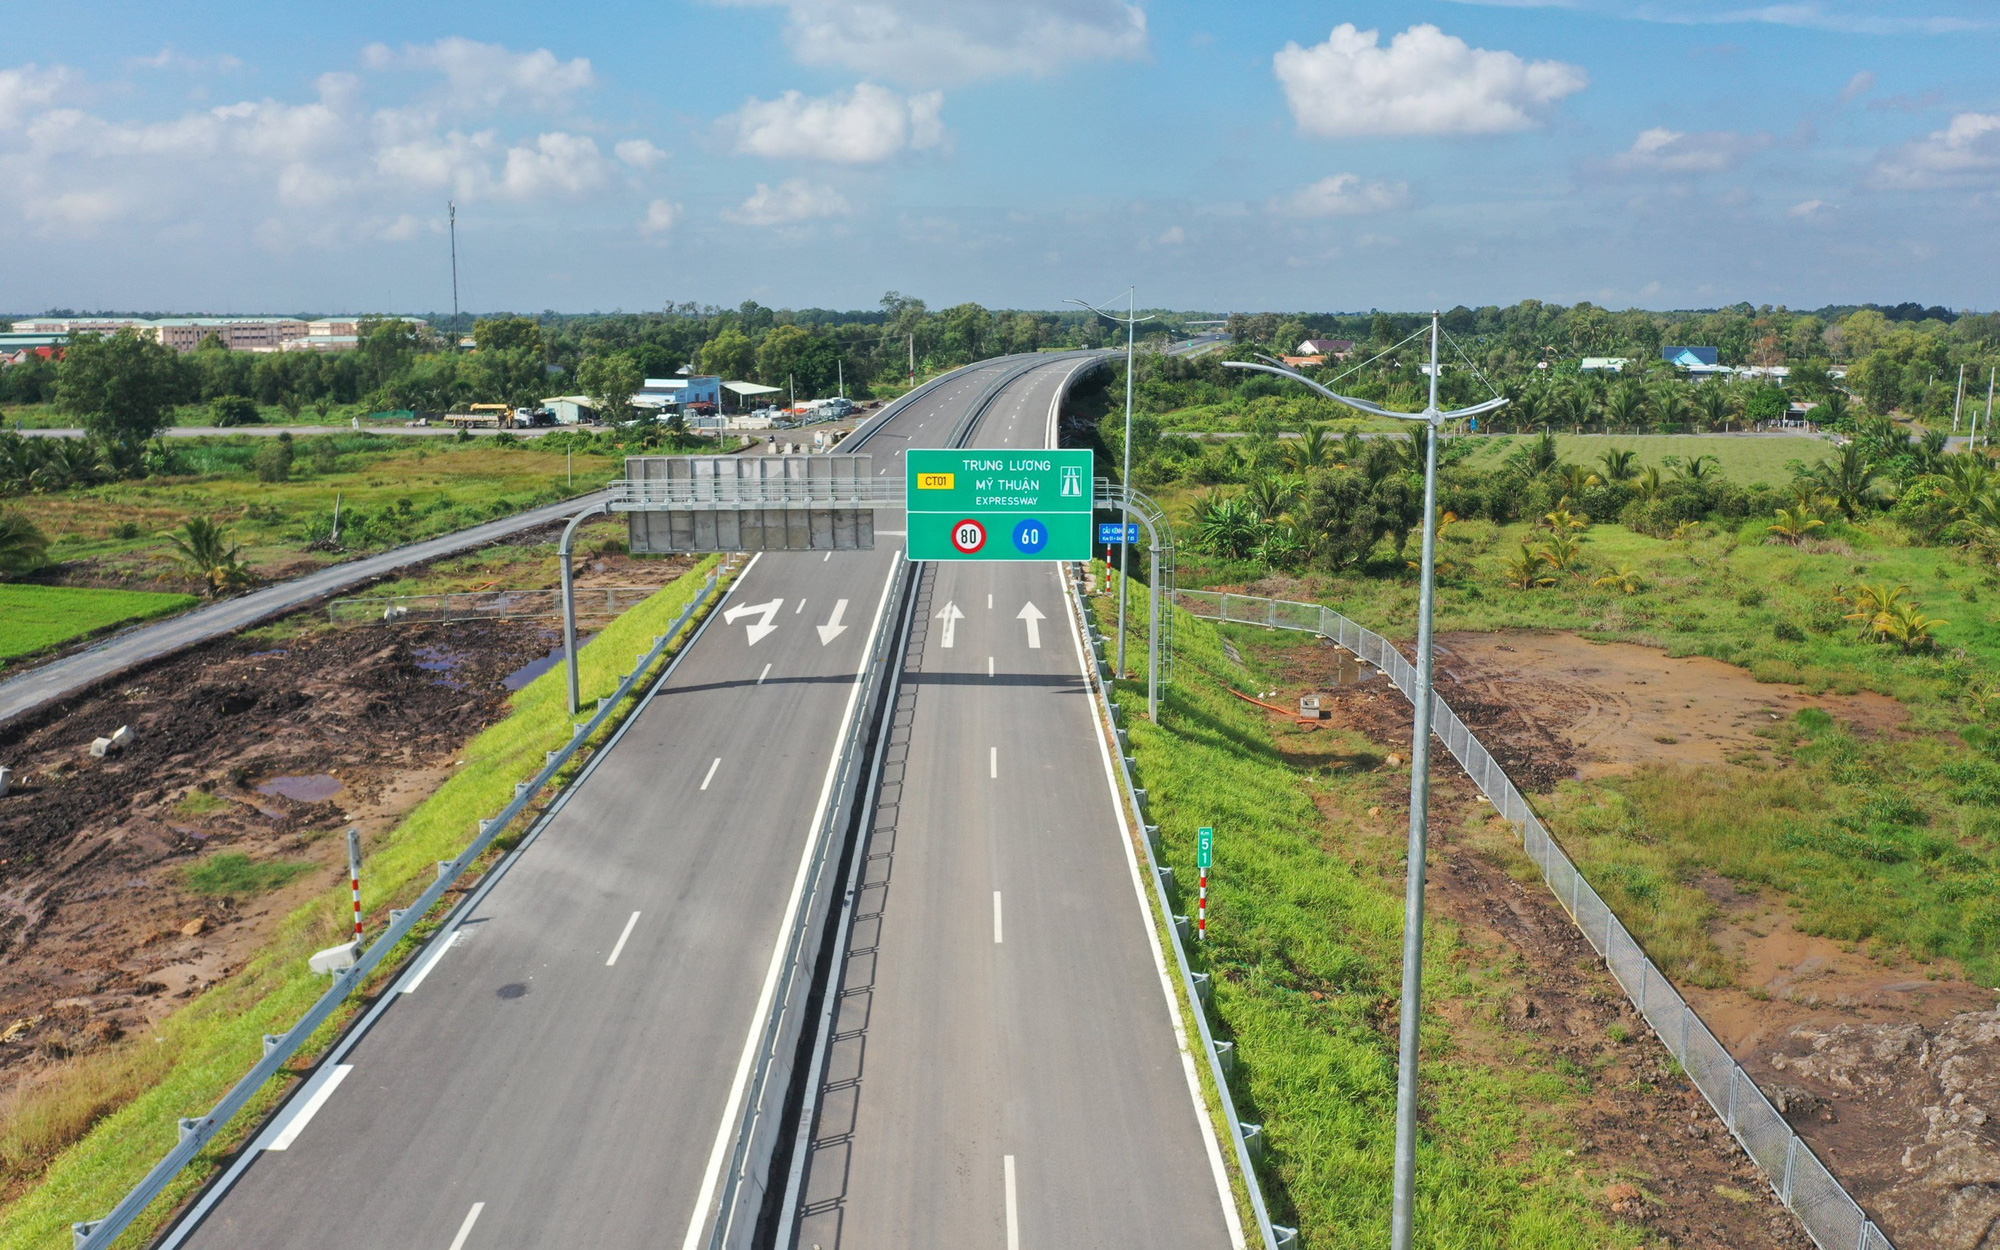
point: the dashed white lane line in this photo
(621, 940)
(989, 603)
(1013, 1210)
(766, 673)
(711, 772)
(465, 1229)
(989, 666)
(996, 917)
(802, 603)
(993, 762)
(309, 1106)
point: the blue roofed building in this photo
(1691, 357)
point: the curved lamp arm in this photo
(1362, 405)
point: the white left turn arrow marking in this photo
(1033, 616)
(951, 616)
(833, 628)
(763, 610)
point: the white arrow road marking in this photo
(1033, 616)
(951, 616)
(764, 610)
(833, 628)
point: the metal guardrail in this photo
(1220, 1055)
(486, 605)
(278, 1050)
(1830, 1215)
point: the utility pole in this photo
(451, 215)
(1989, 408)
(913, 360)
(1960, 403)
(1131, 320)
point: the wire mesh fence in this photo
(1830, 1215)
(487, 605)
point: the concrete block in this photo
(99, 748)
(335, 959)
(6, 780)
(123, 737)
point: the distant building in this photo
(1301, 362)
(1691, 357)
(658, 393)
(19, 348)
(571, 409)
(1604, 364)
(238, 334)
(1336, 348)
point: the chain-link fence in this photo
(487, 605)
(1830, 1215)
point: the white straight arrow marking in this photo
(764, 610)
(951, 616)
(833, 628)
(1033, 616)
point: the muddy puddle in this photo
(303, 787)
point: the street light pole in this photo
(1131, 320)
(1403, 1213)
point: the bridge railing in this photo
(1830, 1215)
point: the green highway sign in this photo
(1205, 849)
(998, 505)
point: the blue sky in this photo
(240, 157)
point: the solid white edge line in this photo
(444, 942)
(1208, 1138)
(324, 1085)
(465, 1229)
(711, 772)
(712, 1174)
(996, 918)
(620, 947)
(1013, 1207)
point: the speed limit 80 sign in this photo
(999, 505)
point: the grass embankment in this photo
(83, 1139)
(36, 618)
(1304, 947)
(1743, 459)
(392, 491)
(1888, 842)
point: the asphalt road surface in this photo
(1007, 1069)
(72, 673)
(559, 1072)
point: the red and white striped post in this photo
(354, 876)
(1204, 859)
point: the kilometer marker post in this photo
(1204, 859)
(354, 875)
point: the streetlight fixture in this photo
(1130, 321)
(1403, 1215)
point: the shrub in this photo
(233, 410)
(1785, 631)
(273, 461)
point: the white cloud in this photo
(930, 42)
(1859, 85)
(1964, 153)
(555, 164)
(1808, 209)
(1847, 17)
(1424, 83)
(1665, 151)
(862, 126)
(1343, 195)
(1172, 236)
(27, 88)
(481, 77)
(168, 58)
(790, 202)
(640, 153)
(660, 217)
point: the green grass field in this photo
(1305, 927)
(35, 618)
(1744, 459)
(78, 1141)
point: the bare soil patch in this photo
(1672, 1167)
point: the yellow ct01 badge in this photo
(935, 481)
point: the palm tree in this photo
(1353, 448)
(1625, 578)
(1670, 405)
(1229, 527)
(1793, 524)
(1967, 479)
(1562, 553)
(1626, 406)
(1699, 469)
(203, 549)
(23, 546)
(1847, 478)
(1834, 409)
(1649, 482)
(1576, 479)
(1543, 455)
(1907, 627)
(1526, 410)
(1524, 569)
(1874, 605)
(1273, 496)
(1712, 402)
(1312, 449)
(1618, 466)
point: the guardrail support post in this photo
(81, 1230)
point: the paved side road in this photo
(73, 673)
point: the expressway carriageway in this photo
(563, 1065)
(1006, 1066)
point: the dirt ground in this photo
(1890, 1071)
(249, 745)
(1676, 1171)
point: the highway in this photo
(72, 673)
(1007, 1070)
(564, 1059)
